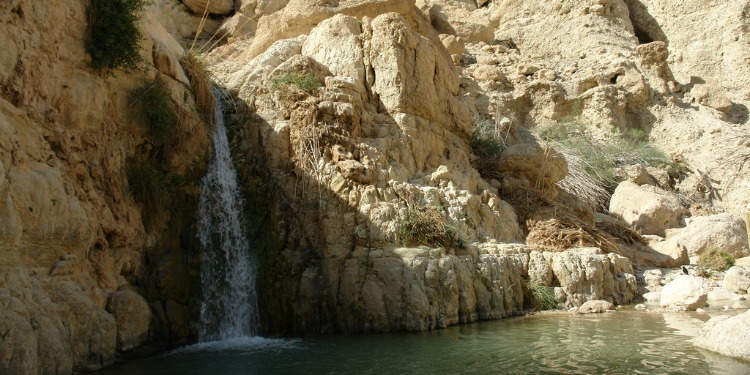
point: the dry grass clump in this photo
(581, 183)
(424, 225)
(559, 234)
(201, 84)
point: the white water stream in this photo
(229, 308)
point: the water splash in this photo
(229, 308)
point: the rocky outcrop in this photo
(727, 335)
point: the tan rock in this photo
(133, 316)
(646, 207)
(596, 306)
(210, 6)
(737, 280)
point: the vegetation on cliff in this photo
(114, 39)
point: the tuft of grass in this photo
(423, 225)
(150, 186)
(113, 39)
(201, 84)
(600, 158)
(715, 259)
(542, 295)
(306, 82)
(160, 114)
(486, 142)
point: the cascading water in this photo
(229, 308)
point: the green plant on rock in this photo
(715, 259)
(542, 295)
(306, 82)
(160, 114)
(424, 225)
(150, 186)
(113, 39)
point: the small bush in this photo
(543, 296)
(306, 82)
(160, 114)
(150, 186)
(715, 259)
(114, 39)
(423, 225)
(485, 140)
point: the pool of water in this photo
(612, 343)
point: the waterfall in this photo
(229, 308)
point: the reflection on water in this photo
(614, 343)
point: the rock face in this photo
(727, 335)
(684, 292)
(71, 234)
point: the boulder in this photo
(210, 6)
(727, 335)
(596, 306)
(684, 292)
(721, 294)
(737, 280)
(725, 232)
(534, 162)
(133, 316)
(648, 208)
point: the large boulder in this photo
(737, 280)
(727, 335)
(648, 208)
(684, 292)
(725, 232)
(133, 316)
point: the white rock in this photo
(595, 306)
(737, 280)
(721, 295)
(684, 291)
(723, 231)
(729, 336)
(640, 306)
(652, 296)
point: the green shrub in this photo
(160, 114)
(542, 295)
(485, 140)
(423, 225)
(114, 39)
(715, 259)
(306, 82)
(150, 186)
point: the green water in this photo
(612, 343)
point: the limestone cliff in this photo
(76, 260)
(353, 129)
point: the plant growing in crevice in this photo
(424, 225)
(113, 39)
(158, 111)
(542, 295)
(151, 187)
(200, 83)
(488, 141)
(306, 82)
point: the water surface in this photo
(613, 343)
